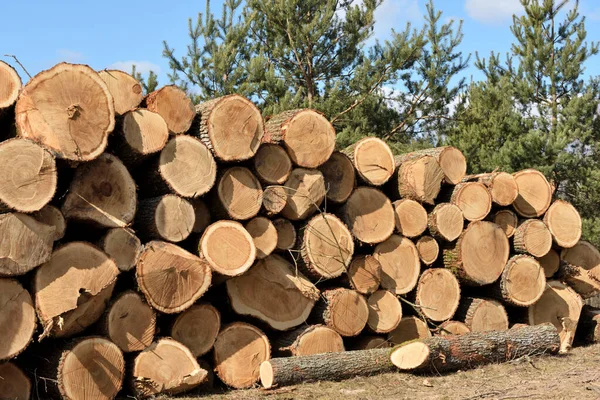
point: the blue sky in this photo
(115, 34)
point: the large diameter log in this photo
(103, 193)
(532, 236)
(452, 328)
(239, 351)
(535, 193)
(73, 288)
(286, 234)
(197, 328)
(561, 306)
(428, 249)
(160, 271)
(272, 165)
(419, 179)
(306, 135)
(130, 323)
(166, 367)
(507, 220)
(373, 160)
(343, 310)
(69, 110)
(482, 315)
(364, 274)
(480, 254)
(228, 248)
(14, 383)
(51, 216)
(446, 222)
(29, 177)
(411, 218)
(385, 311)
(522, 282)
(174, 106)
(306, 191)
(369, 215)
(564, 223)
(167, 217)
(239, 194)
(263, 234)
(305, 341)
(123, 246)
(274, 292)
(409, 328)
(437, 294)
(584, 272)
(502, 186)
(340, 177)
(26, 243)
(588, 328)
(550, 263)
(231, 127)
(400, 264)
(450, 353)
(124, 88)
(10, 82)
(473, 199)
(141, 133)
(274, 200)
(17, 319)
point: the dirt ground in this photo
(573, 376)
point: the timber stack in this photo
(147, 241)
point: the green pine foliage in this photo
(149, 84)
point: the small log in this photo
(287, 297)
(583, 272)
(437, 294)
(418, 179)
(385, 311)
(501, 186)
(263, 234)
(588, 328)
(130, 323)
(124, 88)
(17, 319)
(364, 274)
(306, 134)
(51, 216)
(535, 193)
(409, 328)
(446, 222)
(522, 282)
(373, 160)
(507, 220)
(28, 180)
(305, 193)
(480, 254)
(239, 194)
(561, 306)
(272, 165)
(550, 263)
(166, 367)
(73, 288)
(451, 353)
(15, 384)
(286, 234)
(400, 264)
(305, 341)
(452, 328)
(174, 106)
(228, 248)
(169, 217)
(564, 223)
(202, 217)
(274, 200)
(369, 215)
(532, 236)
(343, 310)
(411, 218)
(482, 315)
(473, 199)
(428, 249)
(123, 246)
(103, 193)
(11, 86)
(197, 328)
(161, 269)
(240, 349)
(370, 342)
(340, 177)
(232, 127)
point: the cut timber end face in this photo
(306, 191)
(286, 234)
(438, 294)
(446, 222)
(533, 236)
(409, 328)
(172, 217)
(187, 166)
(131, 322)
(483, 315)
(369, 215)
(17, 320)
(161, 269)
(385, 311)
(550, 263)
(144, 131)
(240, 350)
(453, 328)
(453, 163)
(340, 177)
(584, 259)
(14, 383)
(503, 188)
(411, 218)
(10, 85)
(123, 246)
(364, 274)
(507, 220)
(197, 328)
(92, 369)
(564, 223)
(419, 179)
(239, 193)
(266, 375)
(309, 138)
(51, 216)
(535, 193)
(400, 264)
(410, 356)
(314, 339)
(273, 292)
(272, 164)
(124, 88)
(373, 160)
(102, 192)
(228, 248)
(474, 200)
(67, 109)
(274, 200)
(174, 106)
(428, 249)
(346, 312)
(523, 281)
(264, 234)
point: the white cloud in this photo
(492, 11)
(395, 14)
(140, 66)
(70, 56)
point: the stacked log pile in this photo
(177, 239)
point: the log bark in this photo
(473, 199)
(274, 292)
(535, 193)
(409, 328)
(231, 127)
(286, 234)
(239, 351)
(305, 193)
(17, 319)
(428, 249)
(169, 217)
(263, 234)
(437, 294)
(274, 200)
(385, 311)
(202, 217)
(364, 274)
(369, 215)
(452, 328)
(507, 220)
(174, 106)
(14, 384)
(400, 264)
(446, 222)
(479, 255)
(11, 84)
(502, 186)
(129, 322)
(239, 195)
(583, 274)
(373, 160)
(411, 218)
(228, 248)
(588, 328)
(550, 263)
(69, 110)
(306, 134)
(564, 223)
(308, 340)
(102, 193)
(166, 367)
(272, 165)
(123, 246)
(532, 236)
(161, 269)
(343, 310)
(418, 179)
(451, 353)
(51, 216)
(522, 282)
(340, 177)
(482, 315)
(126, 91)
(197, 328)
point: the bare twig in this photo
(18, 62)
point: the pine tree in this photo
(148, 84)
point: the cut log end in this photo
(274, 200)
(197, 328)
(453, 328)
(503, 188)
(266, 375)
(428, 249)
(314, 339)
(410, 356)
(340, 177)
(437, 294)
(124, 88)
(272, 164)
(168, 217)
(264, 234)
(419, 179)
(446, 222)
(584, 260)
(364, 274)
(14, 383)
(474, 200)
(144, 133)
(228, 248)
(453, 163)
(507, 220)
(10, 82)
(131, 322)
(373, 160)
(483, 315)
(369, 215)
(286, 234)
(306, 191)
(51, 216)
(123, 246)
(400, 264)
(523, 281)
(535, 193)
(385, 311)
(409, 328)
(239, 193)
(564, 223)
(174, 106)
(533, 236)
(550, 263)
(411, 218)
(17, 319)
(343, 310)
